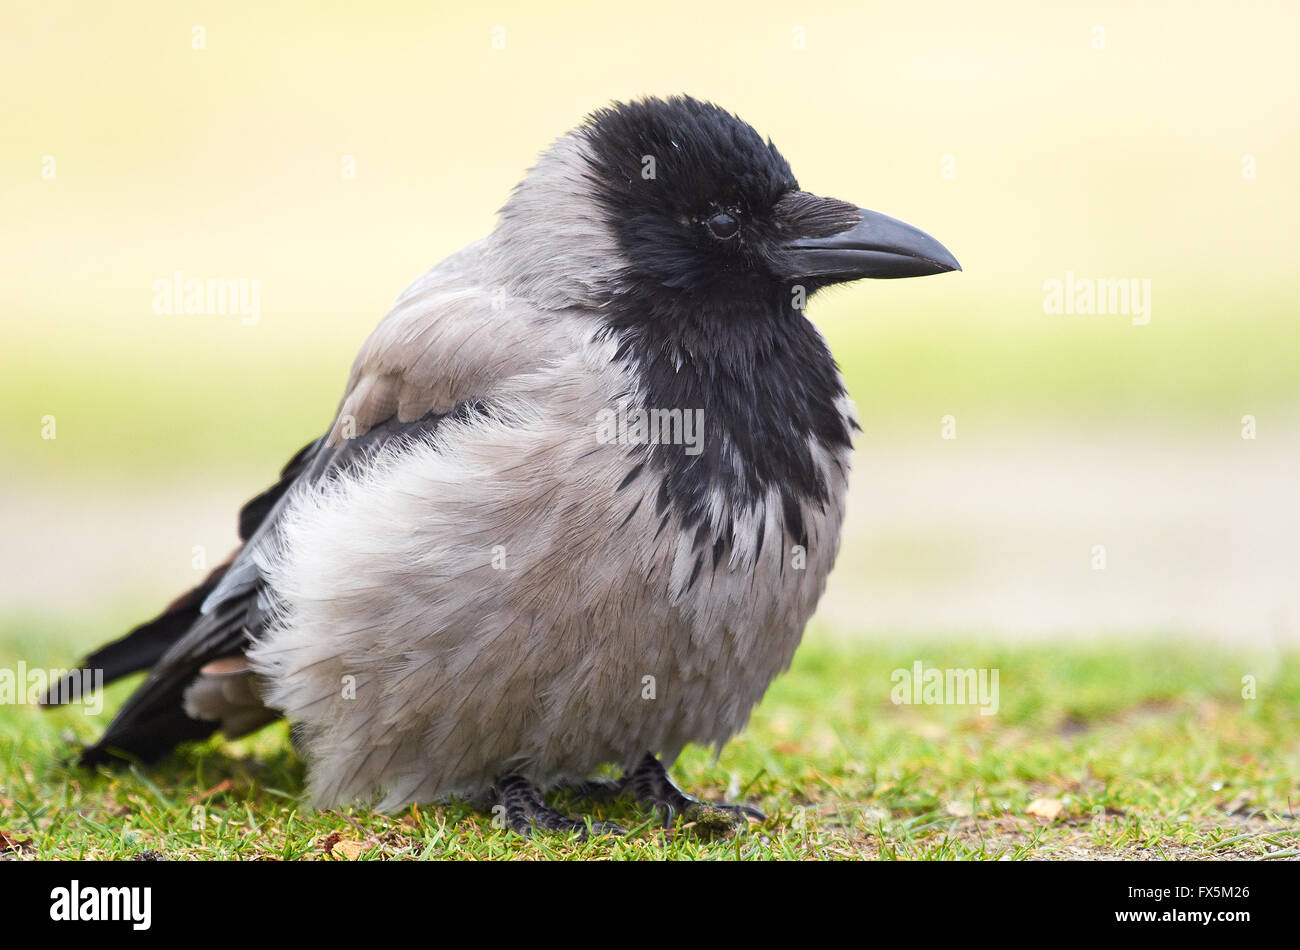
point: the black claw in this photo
(654, 788)
(526, 810)
(649, 782)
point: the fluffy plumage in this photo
(462, 580)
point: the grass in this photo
(1144, 751)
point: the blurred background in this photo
(1103, 479)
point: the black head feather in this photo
(665, 168)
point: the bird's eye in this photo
(723, 225)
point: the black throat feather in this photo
(766, 387)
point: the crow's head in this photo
(697, 197)
(679, 196)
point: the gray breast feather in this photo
(486, 600)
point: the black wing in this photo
(221, 617)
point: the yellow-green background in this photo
(1124, 161)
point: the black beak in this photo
(877, 246)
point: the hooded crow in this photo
(580, 497)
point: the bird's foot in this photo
(654, 788)
(524, 809)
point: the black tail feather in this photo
(175, 645)
(149, 739)
(153, 719)
(142, 647)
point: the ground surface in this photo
(1139, 752)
